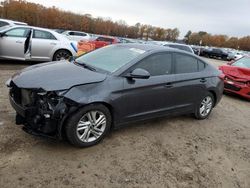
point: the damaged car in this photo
(110, 87)
(237, 77)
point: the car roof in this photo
(57, 35)
(12, 21)
(151, 47)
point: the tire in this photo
(61, 55)
(206, 103)
(81, 128)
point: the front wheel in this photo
(205, 107)
(88, 126)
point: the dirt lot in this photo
(173, 152)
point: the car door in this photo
(12, 43)
(43, 44)
(145, 98)
(190, 82)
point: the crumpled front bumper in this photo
(239, 89)
(36, 123)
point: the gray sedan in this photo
(34, 44)
(110, 87)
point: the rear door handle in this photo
(203, 80)
(168, 85)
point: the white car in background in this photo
(183, 47)
(76, 35)
(5, 22)
(34, 44)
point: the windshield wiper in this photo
(86, 66)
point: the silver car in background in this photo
(183, 47)
(76, 35)
(29, 43)
(5, 22)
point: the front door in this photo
(12, 43)
(145, 98)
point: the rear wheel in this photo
(205, 106)
(61, 55)
(88, 126)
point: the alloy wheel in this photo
(91, 126)
(206, 106)
(62, 55)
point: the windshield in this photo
(110, 58)
(243, 62)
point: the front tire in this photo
(204, 107)
(88, 126)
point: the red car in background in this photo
(237, 77)
(104, 41)
(99, 42)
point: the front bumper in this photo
(38, 121)
(239, 89)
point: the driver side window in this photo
(157, 64)
(17, 32)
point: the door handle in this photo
(19, 42)
(53, 43)
(168, 85)
(203, 80)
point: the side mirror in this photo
(138, 74)
(2, 34)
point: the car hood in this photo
(55, 76)
(236, 72)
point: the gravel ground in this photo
(167, 152)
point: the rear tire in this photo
(88, 126)
(61, 55)
(204, 107)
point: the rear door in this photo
(190, 82)
(43, 44)
(12, 43)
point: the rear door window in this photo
(38, 34)
(185, 64)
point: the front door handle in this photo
(168, 85)
(203, 80)
(19, 42)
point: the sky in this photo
(230, 17)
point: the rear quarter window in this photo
(2, 23)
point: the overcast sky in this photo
(230, 17)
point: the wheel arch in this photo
(214, 95)
(61, 127)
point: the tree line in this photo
(206, 39)
(54, 18)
